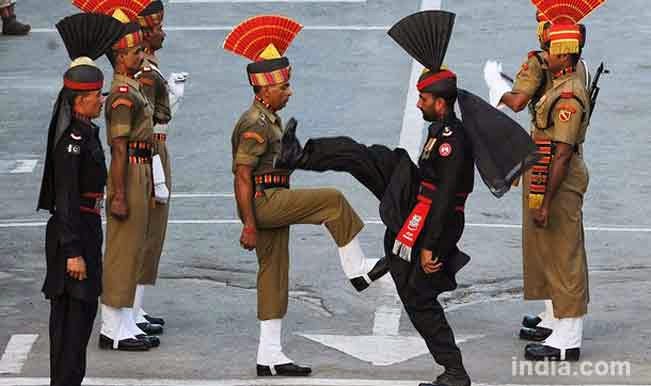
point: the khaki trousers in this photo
(125, 240)
(275, 212)
(158, 216)
(554, 258)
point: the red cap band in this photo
(439, 76)
(82, 86)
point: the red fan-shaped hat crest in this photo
(130, 7)
(254, 35)
(566, 11)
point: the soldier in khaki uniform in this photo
(554, 257)
(10, 25)
(154, 86)
(532, 81)
(266, 205)
(129, 187)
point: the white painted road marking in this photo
(371, 221)
(18, 166)
(386, 326)
(16, 353)
(184, 28)
(275, 381)
(203, 195)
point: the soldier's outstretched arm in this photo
(527, 81)
(516, 101)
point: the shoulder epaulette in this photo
(253, 135)
(146, 81)
(122, 102)
(567, 95)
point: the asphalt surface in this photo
(349, 78)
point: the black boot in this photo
(11, 26)
(152, 341)
(150, 329)
(450, 378)
(379, 269)
(540, 352)
(529, 321)
(286, 370)
(106, 343)
(155, 320)
(536, 334)
(291, 151)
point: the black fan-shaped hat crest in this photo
(425, 36)
(89, 34)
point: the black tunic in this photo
(77, 167)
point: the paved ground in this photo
(349, 78)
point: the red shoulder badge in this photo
(531, 54)
(253, 135)
(123, 89)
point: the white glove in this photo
(161, 193)
(176, 86)
(176, 83)
(497, 85)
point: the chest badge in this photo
(445, 150)
(74, 149)
(447, 132)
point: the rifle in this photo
(594, 88)
(507, 78)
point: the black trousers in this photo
(373, 166)
(71, 324)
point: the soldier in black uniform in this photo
(72, 190)
(423, 206)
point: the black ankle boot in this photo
(10, 25)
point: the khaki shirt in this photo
(154, 86)
(256, 139)
(128, 112)
(562, 114)
(534, 79)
